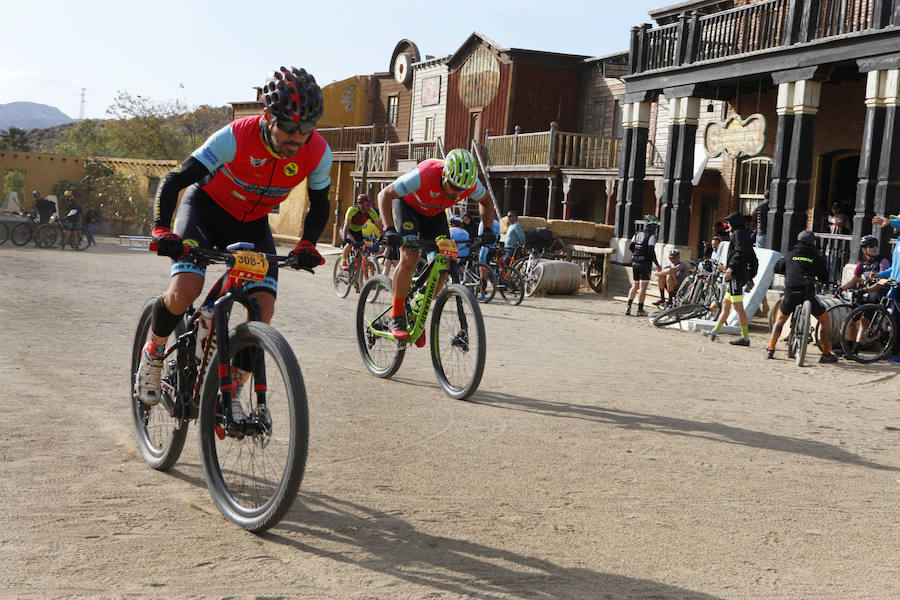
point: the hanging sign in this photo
(735, 136)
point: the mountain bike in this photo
(4, 233)
(253, 450)
(478, 277)
(531, 269)
(801, 329)
(699, 296)
(360, 266)
(56, 230)
(876, 329)
(509, 281)
(458, 341)
(25, 231)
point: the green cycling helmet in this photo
(460, 169)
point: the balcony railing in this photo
(385, 156)
(751, 28)
(551, 149)
(345, 139)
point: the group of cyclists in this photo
(802, 267)
(244, 170)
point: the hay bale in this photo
(582, 230)
(530, 223)
(603, 233)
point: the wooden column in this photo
(675, 217)
(507, 186)
(632, 166)
(526, 202)
(552, 193)
(869, 156)
(797, 189)
(784, 108)
(887, 189)
(566, 202)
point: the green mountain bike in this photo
(457, 342)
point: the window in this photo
(617, 119)
(598, 116)
(755, 179)
(429, 128)
(393, 108)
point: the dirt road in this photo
(601, 458)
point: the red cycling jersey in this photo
(421, 189)
(256, 180)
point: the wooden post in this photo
(681, 41)
(335, 235)
(516, 145)
(551, 146)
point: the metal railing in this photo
(759, 26)
(835, 247)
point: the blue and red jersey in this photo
(249, 180)
(421, 188)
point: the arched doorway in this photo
(837, 184)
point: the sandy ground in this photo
(601, 458)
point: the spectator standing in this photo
(741, 266)
(470, 225)
(92, 218)
(643, 256)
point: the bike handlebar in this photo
(212, 256)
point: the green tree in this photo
(116, 196)
(143, 128)
(202, 122)
(14, 139)
(87, 138)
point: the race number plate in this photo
(448, 248)
(251, 266)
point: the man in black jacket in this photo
(643, 257)
(741, 266)
(801, 265)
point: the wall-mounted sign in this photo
(431, 90)
(735, 136)
(479, 78)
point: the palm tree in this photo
(14, 139)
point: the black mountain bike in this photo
(253, 462)
(876, 328)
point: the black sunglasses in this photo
(291, 127)
(454, 188)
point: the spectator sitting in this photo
(459, 235)
(515, 235)
(670, 277)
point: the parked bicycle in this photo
(531, 269)
(243, 386)
(360, 266)
(698, 297)
(478, 277)
(509, 281)
(59, 231)
(801, 329)
(458, 342)
(875, 326)
(26, 231)
(4, 233)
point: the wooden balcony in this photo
(390, 159)
(763, 26)
(544, 150)
(343, 140)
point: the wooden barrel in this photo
(558, 277)
(838, 310)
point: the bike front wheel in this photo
(45, 236)
(342, 278)
(253, 468)
(381, 355)
(458, 342)
(511, 286)
(675, 314)
(803, 332)
(21, 234)
(160, 435)
(81, 239)
(4, 233)
(532, 278)
(874, 336)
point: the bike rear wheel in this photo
(22, 234)
(877, 337)
(532, 278)
(803, 332)
(342, 278)
(253, 469)
(487, 280)
(458, 342)
(45, 236)
(381, 355)
(4, 233)
(511, 286)
(159, 435)
(675, 314)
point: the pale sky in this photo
(51, 49)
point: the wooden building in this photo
(810, 91)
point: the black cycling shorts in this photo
(641, 271)
(736, 286)
(356, 235)
(202, 222)
(409, 222)
(794, 297)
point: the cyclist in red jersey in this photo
(234, 180)
(416, 201)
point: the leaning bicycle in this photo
(698, 297)
(457, 342)
(243, 387)
(875, 327)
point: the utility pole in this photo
(81, 110)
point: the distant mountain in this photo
(31, 115)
